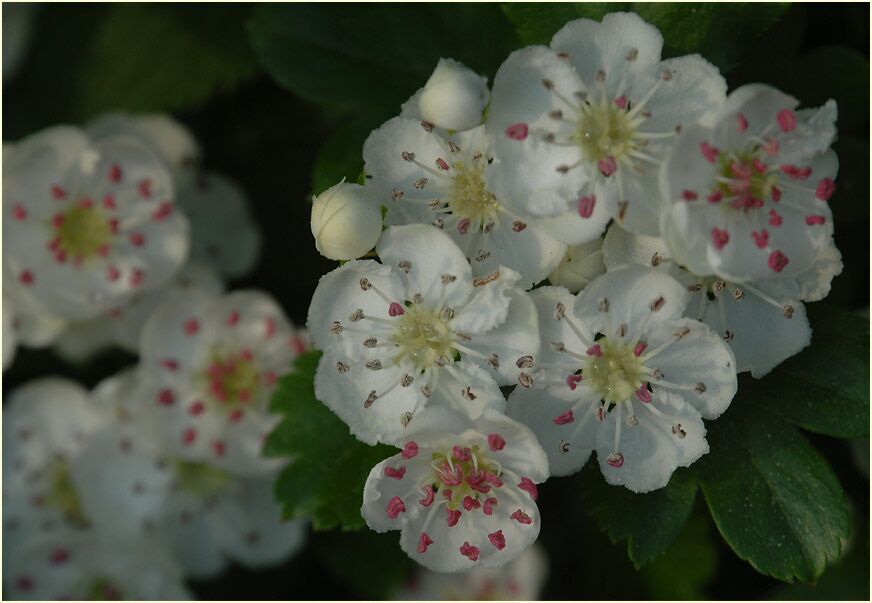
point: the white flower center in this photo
(745, 179)
(81, 232)
(423, 337)
(616, 373)
(470, 199)
(604, 130)
(464, 474)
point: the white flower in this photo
(417, 330)
(580, 266)
(623, 373)
(223, 232)
(210, 366)
(581, 128)
(91, 566)
(204, 515)
(346, 223)
(46, 425)
(748, 196)
(462, 492)
(763, 320)
(172, 142)
(422, 177)
(80, 341)
(519, 580)
(453, 98)
(86, 225)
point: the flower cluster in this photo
(113, 235)
(581, 258)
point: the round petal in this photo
(582, 264)
(621, 247)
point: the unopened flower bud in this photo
(345, 223)
(454, 97)
(581, 264)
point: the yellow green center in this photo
(200, 479)
(470, 198)
(447, 469)
(758, 186)
(423, 337)
(62, 494)
(616, 374)
(603, 131)
(83, 232)
(233, 378)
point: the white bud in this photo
(345, 222)
(581, 264)
(454, 97)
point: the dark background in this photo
(268, 140)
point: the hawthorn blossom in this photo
(581, 264)
(224, 234)
(417, 330)
(46, 425)
(210, 365)
(463, 492)
(167, 138)
(748, 196)
(623, 373)
(202, 514)
(453, 98)
(88, 224)
(763, 320)
(423, 176)
(581, 127)
(519, 580)
(91, 566)
(345, 222)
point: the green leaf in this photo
(718, 31)
(341, 154)
(825, 388)
(148, 57)
(649, 523)
(371, 565)
(689, 564)
(325, 480)
(774, 498)
(374, 55)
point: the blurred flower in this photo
(463, 492)
(172, 142)
(580, 128)
(416, 330)
(346, 222)
(453, 98)
(210, 365)
(203, 514)
(763, 320)
(748, 196)
(581, 264)
(518, 580)
(619, 343)
(91, 566)
(423, 177)
(88, 224)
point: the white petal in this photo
(345, 391)
(553, 331)
(515, 338)
(701, 364)
(621, 247)
(432, 255)
(224, 234)
(175, 331)
(454, 97)
(573, 229)
(379, 509)
(567, 444)
(582, 264)
(593, 46)
(526, 175)
(653, 448)
(815, 132)
(339, 294)
(81, 341)
(467, 388)
(488, 306)
(759, 104)
(249, 528)
(762, 336)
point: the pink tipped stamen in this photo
(815, 219)
(595, 350)
(452, 516)
(564, 418)
(395, 473)
(463, 226)
(786, 120)
(607, 166)
(517, 131)
(443, 165)
(825, 189)
(776, 194)
(410, 450)
(573, 380)
(689, 195)
(742, 122)
(424, 541)
(469, 551)
(529, 487)
(586, 206)
(715, 197)
(488, 507)
(640, 347)
(395, 507)
(761, 238)
(470, 503)
(720, 238)
(429, 496)
(521, 517)
(777, 261)
(396, 309)
(621, 102)
(496, 442)
(775, 218)
(643, 394)
(497, 539)
(709, 152)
